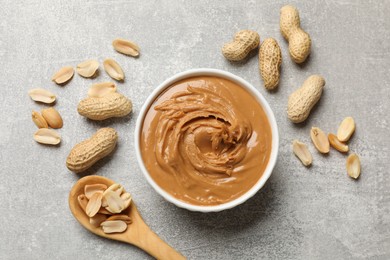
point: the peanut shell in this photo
(110, 105)
(244, 41)
(270, 60)
(88, 152)
(302, 100)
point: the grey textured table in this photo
(300, 213)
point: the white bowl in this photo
(229, 76)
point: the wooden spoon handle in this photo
(153, 244)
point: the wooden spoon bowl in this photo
(137, 233)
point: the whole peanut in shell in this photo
(244, 41)
(100, 108)
(299, 42)
(88, 152)
(270, 60)
(301, 101)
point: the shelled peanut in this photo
(48, 117)
(52, 117)
(353, 166)
(103, 102)
(113, 69)
(47, 136)
(105, 206)
(319, 140)
(126, 47)
(88, 68)
(42, 95)
(302, 152)
(322, 143)
(63, 75)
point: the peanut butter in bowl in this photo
(205, 140)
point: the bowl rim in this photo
(256, 94)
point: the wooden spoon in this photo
(137, 233)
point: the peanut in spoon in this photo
(137, 234)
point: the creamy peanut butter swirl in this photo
(199, 132)
(206, 140)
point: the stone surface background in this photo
(315, 213)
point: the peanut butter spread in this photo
(206, 140)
